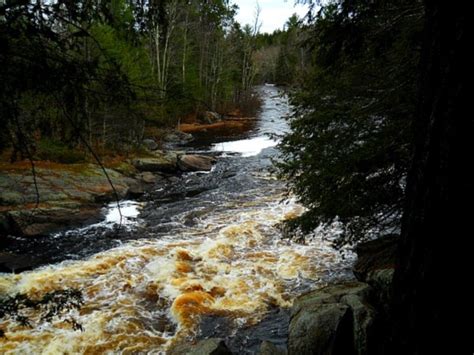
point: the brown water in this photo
(204, 247)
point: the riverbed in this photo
(200, 255)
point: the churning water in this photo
(202, 252)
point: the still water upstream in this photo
(199, 256)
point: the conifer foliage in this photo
(348, 152)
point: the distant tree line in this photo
(96, 72)
(283, 56)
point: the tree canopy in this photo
(97, 72)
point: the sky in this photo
(273, 15)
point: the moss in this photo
(124, 168)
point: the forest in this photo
(174, 181)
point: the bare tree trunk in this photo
(185, 47)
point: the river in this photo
(199, 256)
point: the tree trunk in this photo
(427, 298)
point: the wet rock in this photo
(212, 346)
(150, 144)
(375, 255)
(10, 262)
(191, 162)
(334, 320)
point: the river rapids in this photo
(201, 255)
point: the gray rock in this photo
(150, 144)
(330, 294)
(43, 220)
(334, 320)
(316, 330)
(212, 346)
(195, 162)
(68, 195)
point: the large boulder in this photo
(50, 218)
(69, 194)
(334, 320)
(378, 254)
(212, 346)
(190, 162)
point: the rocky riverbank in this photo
(72, 194)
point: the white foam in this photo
(246, 147)
(129, 210)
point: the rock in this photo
(195, 162)
(210, 117)
(334, 320)
(382, 281)
(69, 195)
(177, 138)
(212, 346)
(150, 144)
(315, 331)
(64, 183)
(330, 294)
(363, 316)
(158, 163)
(268, 348)
(147, 177)
(10, 262)
(47, 219)
(374, 255)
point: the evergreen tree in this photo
(348, 151)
